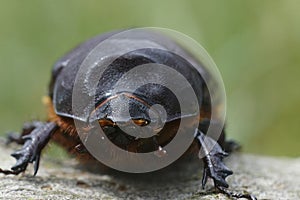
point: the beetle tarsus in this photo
(34, 142)
(236, 194)
(8, 172)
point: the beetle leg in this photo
(32, 148)
(214, 166)
(27, 129)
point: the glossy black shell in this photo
(65, 71)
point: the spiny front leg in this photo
(32, 148)
(212, 155)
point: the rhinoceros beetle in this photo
(60, 124)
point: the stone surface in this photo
(265, 177)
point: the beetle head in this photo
(131, 114)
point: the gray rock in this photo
(265, 177)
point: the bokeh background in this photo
(256, 45)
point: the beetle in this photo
(60, 126)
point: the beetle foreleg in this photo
(214, 166)
(34, 143)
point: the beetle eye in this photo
(106, 122)
(141, 122)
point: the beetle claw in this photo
(36, 164)
(24, 156)
(16, 154)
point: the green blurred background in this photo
(255, 44)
